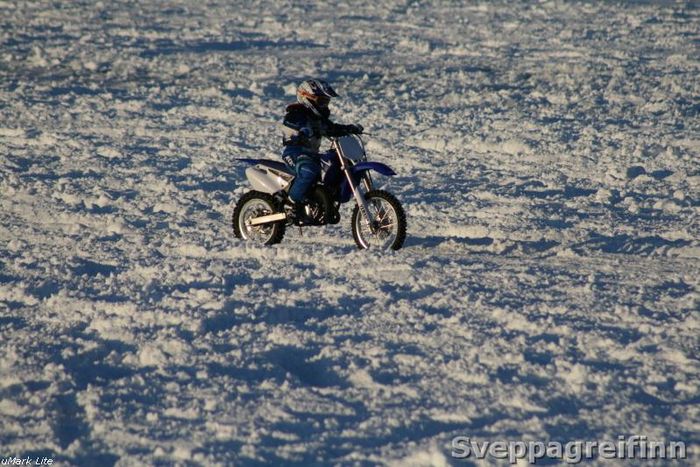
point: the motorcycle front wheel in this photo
(251, 205)
(388, 222)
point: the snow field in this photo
(548, 289)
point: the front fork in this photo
(357, 193)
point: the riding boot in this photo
(298, 213)
(295, 211)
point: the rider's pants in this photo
(308, 169)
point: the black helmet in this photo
(316, 94)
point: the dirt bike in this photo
(378, 219)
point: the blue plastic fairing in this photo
(376, 166)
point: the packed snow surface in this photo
(547, 155)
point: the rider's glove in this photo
(355, 129)
(306, 132)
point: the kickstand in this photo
(301, 232)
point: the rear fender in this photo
(267, 179)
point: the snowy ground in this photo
(548, 289)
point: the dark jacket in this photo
(304, 129)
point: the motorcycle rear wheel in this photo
(388, 219)
(251, 205)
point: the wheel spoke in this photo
(386, 213)
(384, 232)
(258, 233)
(251, 206)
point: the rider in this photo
(306, 122)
